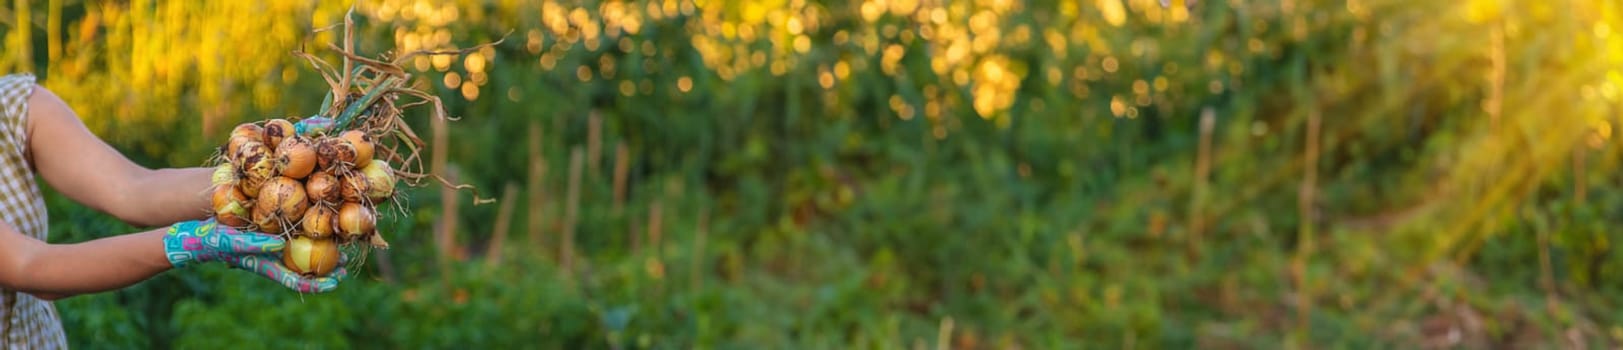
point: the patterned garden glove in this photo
(270, 266)
(205, 241)
(313, 125)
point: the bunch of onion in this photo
(318, 191)
(321, 190)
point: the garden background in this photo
(903, 173)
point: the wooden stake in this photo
(1203, 169)
(622, 164)
(566, 249)
(1304, 208)
(594, 143)
(504, 219)
(448, 222)
(537, 188)
(447, 219)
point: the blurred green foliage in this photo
(901, 173)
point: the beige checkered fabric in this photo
(30, 323)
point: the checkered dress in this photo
(29, 323)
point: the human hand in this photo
(270, 266)
(206, 241)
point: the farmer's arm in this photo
(87, 170)
(53, 271)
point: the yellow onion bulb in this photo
(363, 146)
(353, 187)
(233, 215)
(319, 221)
(254, 161)
(355, 219)
(311, 257)
(322, 188)
(254, 167)
(285, 197)
(266, 220)
(249, 149)
(277, 130)
(249, 131)
(230, 206)
(224, 175)
(295, 158)
(379, 180)
(235, 143)
(335, 154)
(225, 195)
(251, 186)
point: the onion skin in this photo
(324, 152)
(353, 187)
(335, 154)
(254, 166)
(235, 143)
(355, 220)
(319, 221)
(254, 161)
(234, 216)
(224, 175)
(311, 256)
(295, 158)
(265, 220)
(249, 152)
(379, 181)
(230, 206)
(251, 185)
(225, 195)
(285, 198)
(363, 146)
(250, 131)
(277, 130)
(322, 188)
